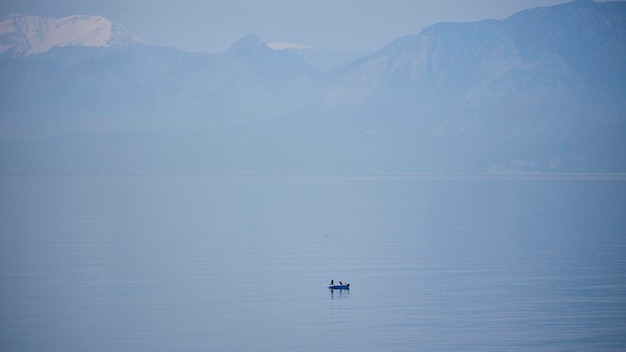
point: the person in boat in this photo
(340, 283)
(332, 282)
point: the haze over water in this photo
(241, 264)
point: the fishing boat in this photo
(345, 286)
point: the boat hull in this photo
(339, 287)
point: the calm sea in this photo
(242, 264)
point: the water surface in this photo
(241, 264)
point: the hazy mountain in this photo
(541, 91)
(543, 77)
(326, 60)
(136, 87)
(578, 46)
(251, 81)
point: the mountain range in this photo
(540, 91)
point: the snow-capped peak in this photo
(22, 35)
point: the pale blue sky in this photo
(211, 26)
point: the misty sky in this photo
(211, 26)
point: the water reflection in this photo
(339, 293)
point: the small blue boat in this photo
(339, 287)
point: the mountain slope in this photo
(251, 80)
(578, 41)
(491, 90)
